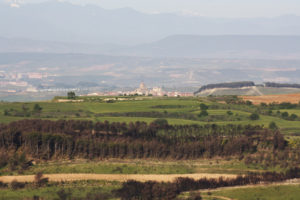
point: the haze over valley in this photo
(89, 48)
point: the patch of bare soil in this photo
(113, 177)
(292, 98)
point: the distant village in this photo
(143, 91)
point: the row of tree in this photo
(152, 190)
(54, 139)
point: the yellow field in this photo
(292, 98)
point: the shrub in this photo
(229, 113)
(17, 185)
(161, 122)
(284, 114)
(203, 113)
(71, 95)
(64, 195)
(3, 185)
(39, 180)
(273, 126)
(254, 116)
(203, 106)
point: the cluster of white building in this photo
(143, 91)
(156, 91)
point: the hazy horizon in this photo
(212, 9)
(53, 46)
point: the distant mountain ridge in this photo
(214, 46)
(62, 21)
(191, 46)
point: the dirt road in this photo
(113, 177)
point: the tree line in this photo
(44, 139)
(159, 190)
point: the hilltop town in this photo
(143, 90)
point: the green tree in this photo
(293, 117)
(203, 113)
(71, 95)
(6, 112)
(263, 104)
(273, 126)
(284, 114)
(37, 108)
(229, 113)
(254, 116)
(161, 122)
(203, 106)
(248, 103)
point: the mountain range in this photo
(65, 22)
(188, 46)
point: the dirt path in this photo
(113, 177)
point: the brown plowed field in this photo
(292, 98)
(113, 177)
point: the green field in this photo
(90, 110)
(284, 192)
(177, 111)
(77, 189)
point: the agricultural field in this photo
(279, 98)
(175, 110)
(101, 143)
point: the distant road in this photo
(113, 177)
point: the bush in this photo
(17, 185)
(203, 106)
(284, 114)
(161, 122)
(71, 95)
(64, 195)
(3, 185)
(248, 103)
(203, 113)
(293, 117)
(273, 126)
(98, 196)
(39, 180)
(195, 196)
(229, 113)
(254, 116)
(3, 159)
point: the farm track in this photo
(113, 177)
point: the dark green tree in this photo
(161, 122)
(285, 115)
(293, 117)
(254, 116)
(229, 112)
(203, 113)
(71, 95)
(248, 103)
(273, 126)
(37, 108)
(203, 106)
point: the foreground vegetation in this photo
(147, 135)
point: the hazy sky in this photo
(211, 8)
